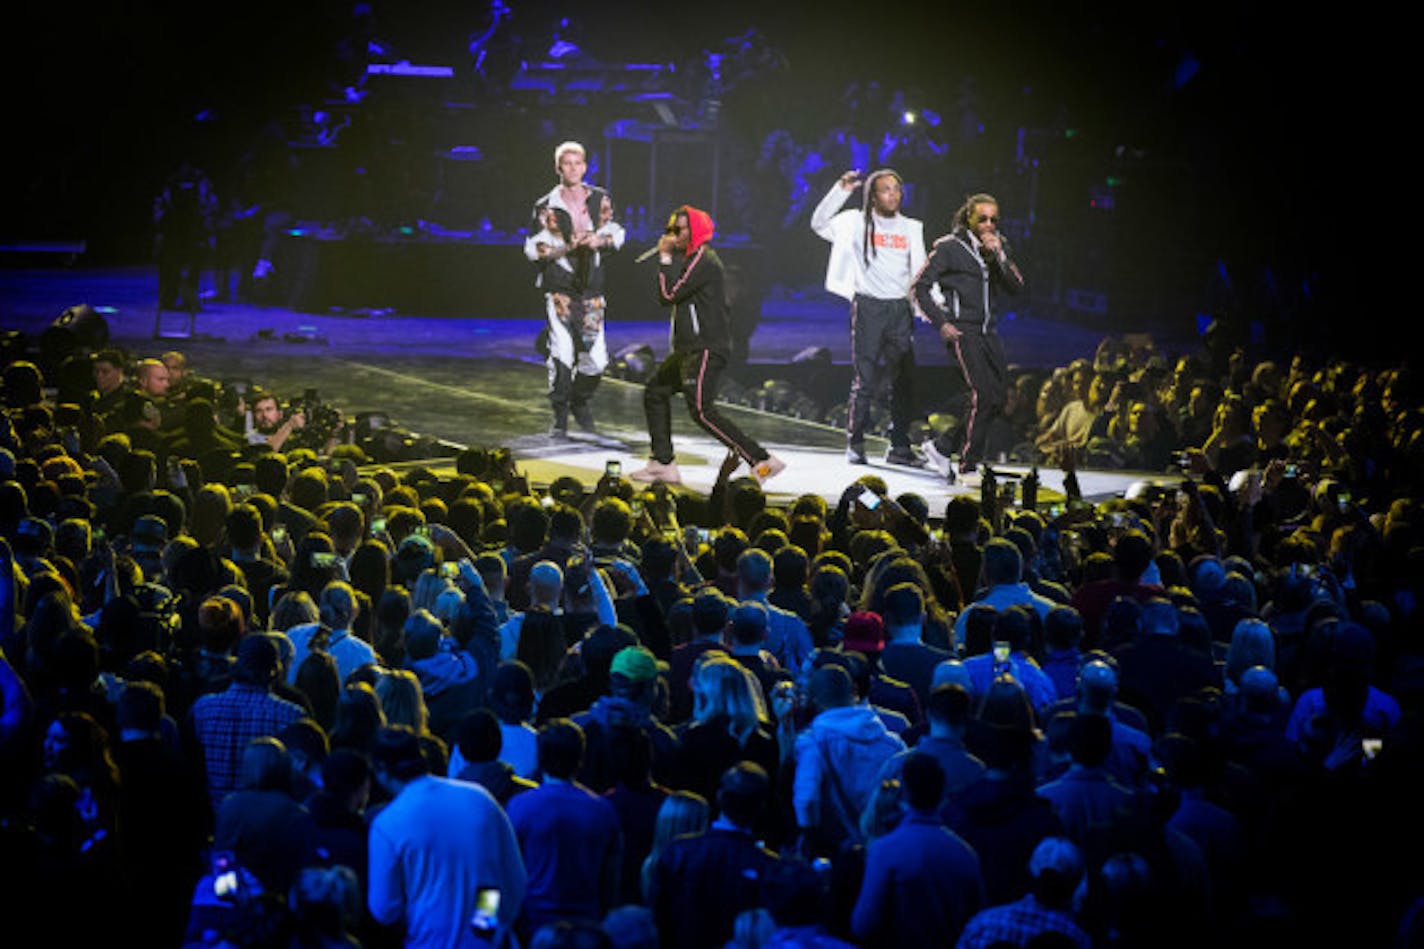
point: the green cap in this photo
(635, 663)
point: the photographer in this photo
(266, 424)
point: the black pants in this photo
(697, 376)
(568, 391)
(882, 354)
(986, 372)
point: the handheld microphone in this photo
(650, 252)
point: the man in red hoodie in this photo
(691, 282)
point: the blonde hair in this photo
(569, 146)
(682, 814)
(726, 687)
(402, 700)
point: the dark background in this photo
(1239, 142)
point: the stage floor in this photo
(477, 380)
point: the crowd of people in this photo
(257, 692)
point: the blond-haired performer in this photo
(574, 235)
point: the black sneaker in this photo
(904, 456)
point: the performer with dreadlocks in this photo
(575, 233)
(875, 253)
(972, 268)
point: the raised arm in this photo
(831, 204)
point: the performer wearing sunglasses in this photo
(972, 268)
(691, 285)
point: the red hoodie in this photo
(693, 286)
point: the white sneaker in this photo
(941, 462)
(764, 471)
(657, 471)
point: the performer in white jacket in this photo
(875, 254)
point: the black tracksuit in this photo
(973, 283)
(694, 287)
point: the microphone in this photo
(650, 252)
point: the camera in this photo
(613, 469)
(322, 421)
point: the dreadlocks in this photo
(868, 209)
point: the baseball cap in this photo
(635, 663)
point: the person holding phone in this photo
(437, 850)
(691, 283)
(875, 254)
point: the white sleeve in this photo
(825, 214)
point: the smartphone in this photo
(1343, 500)
(225, 886)
(1001, 653)
(449, 570)
(486, 917)
(1371, 747)
(613, 469)
(279, 535)
(320, 559)
(547, 501)
(358, 499)
(704, 535)
(1292, 470)
(243, 491)
(869, 499)
(378, 525)
(225, 881)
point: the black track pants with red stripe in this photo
(986, 373)
(697, 376)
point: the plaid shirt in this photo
(1015, 924)
(226, 722)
